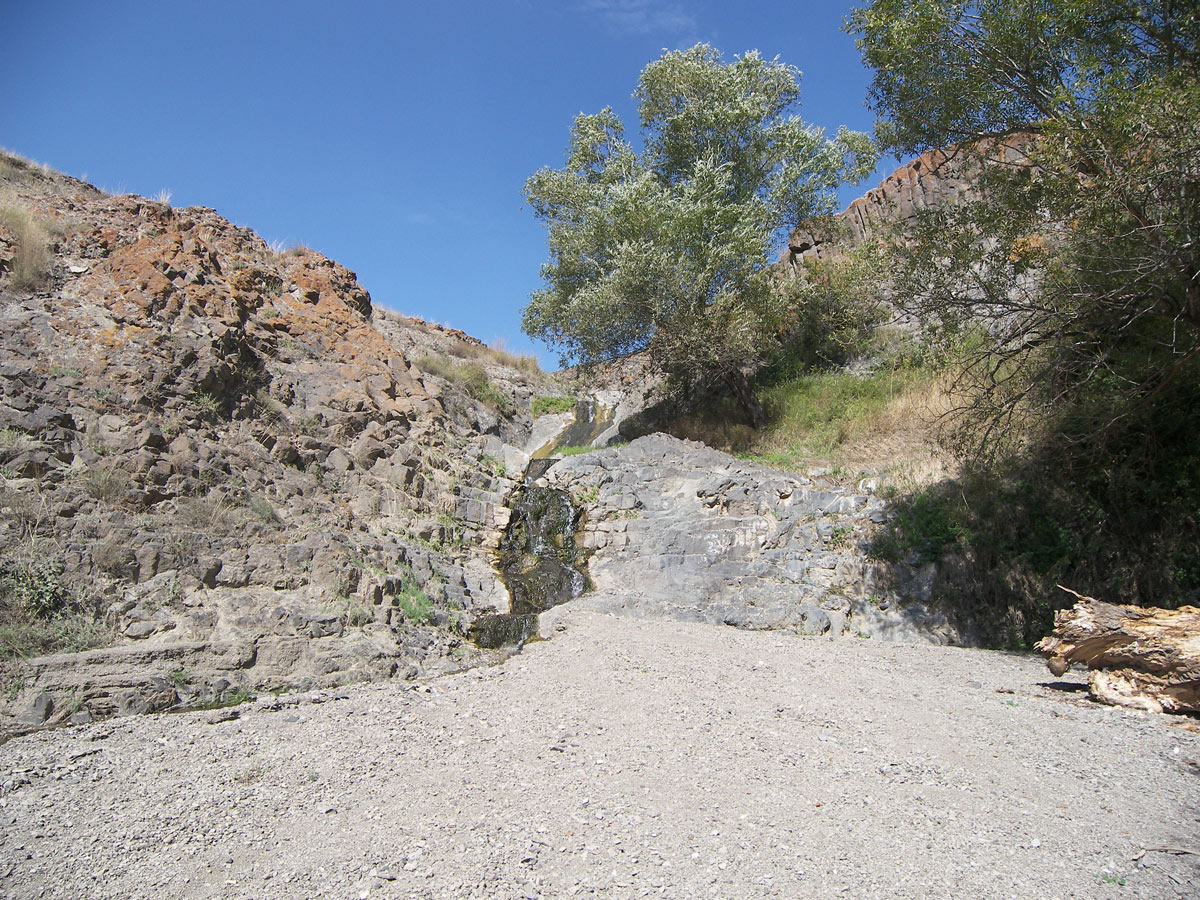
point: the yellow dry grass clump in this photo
(31, 257)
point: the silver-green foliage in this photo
(671, 248)
(1080, 119)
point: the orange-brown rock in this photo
(207, 443)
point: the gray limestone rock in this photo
(681, 531)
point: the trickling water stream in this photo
(592, 419)
(539, 563)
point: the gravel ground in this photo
(625, 758)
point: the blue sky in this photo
(394, 137)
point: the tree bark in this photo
(1145, 658)
(739, 384)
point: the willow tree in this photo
(1081, 258)
(1071, 286)
(669, 248)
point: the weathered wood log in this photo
(1145, 658)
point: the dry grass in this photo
(31, 259)
(900, 437)
(496, 355)
(16, 168)
(471, 377)
(886, 422)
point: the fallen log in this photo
(1145, 658)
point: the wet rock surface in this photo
(539, 563)
(689, 533)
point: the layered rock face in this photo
(934, 180)
(682, 531)
(223, 453)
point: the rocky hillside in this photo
(222, 462)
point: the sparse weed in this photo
(212, 513)
(573, 451)
(493, 465)
(353, 612)
(105, 484)
(262, 509)
(840, 537)
(13, 442)
(14, 687)
(209, 405)
(588, 496)
(235, 697)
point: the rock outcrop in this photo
(224, 463)
(936, 179)
(681, 531)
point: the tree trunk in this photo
(1144, 658)
(737, 382)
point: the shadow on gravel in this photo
(1065, 687)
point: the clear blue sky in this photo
(394, 137)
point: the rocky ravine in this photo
(223, 462)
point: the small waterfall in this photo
(592, 419)
(539, 563)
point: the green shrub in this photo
(924, 525)
(35, 585)
(38, 613)
(414, 602)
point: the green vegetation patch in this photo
(39, 613)
(544, 406)
(414, 602)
